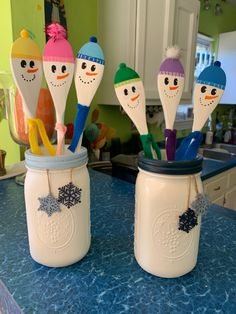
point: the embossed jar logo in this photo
(169, 241)
(55, 231)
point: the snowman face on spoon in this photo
(28, 72)
(88, 72)
(28, 69)
(131, 95)
(58, 74)
(172, 86)
(208, 96)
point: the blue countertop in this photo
(212, 167)
(108, 279)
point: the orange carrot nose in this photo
(173, 87)
(210, 97)
(60, 77)
(91, 74)
(135, 97)
(32, 70)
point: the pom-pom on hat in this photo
(57, 48)
(213, 76)
(91, 51)
(125, 75)
(172, 65)
(25, 47)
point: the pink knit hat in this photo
(57, 48)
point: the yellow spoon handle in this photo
(41, 128)
(33, 140)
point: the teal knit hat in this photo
(213, 76)
(91, 51)
(125, 75)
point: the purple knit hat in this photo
(171, 65)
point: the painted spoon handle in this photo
(61, 131)
(80, 119)
(33, 140)
(170, 136)
(148, 144)
(189, 146)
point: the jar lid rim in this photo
(69, 160)
(170, 167)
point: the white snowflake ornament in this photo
(69, 195)
(200, 204)
(49, 204)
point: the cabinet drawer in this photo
(216, 188)
(232, 178)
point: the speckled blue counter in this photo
(213, 167)
(108, 279)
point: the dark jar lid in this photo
(170, 167)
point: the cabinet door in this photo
(185, 36)
(219, 201)
(116, 35)
(154, 32)
(230, 199)
(216, 186)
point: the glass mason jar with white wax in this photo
(167, 226)
(57, 200)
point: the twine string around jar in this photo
(48, 180)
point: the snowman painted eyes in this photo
(203, 89)
(126, 92)
(213, 91)
(63, 69)
(166, 81)
(31, 64)
(175, 81)
(53, 68)
(84, 65)
(93, 67)
(23, 63)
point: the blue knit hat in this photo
(91, 51)
(213, 75)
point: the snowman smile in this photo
(29, 80)
(86, 82)
(203, 103)
(172, 95)
(57, 85)
(134, 105)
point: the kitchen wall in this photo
(82, 23)
(86, 17)
(6, 143)
(212, 26)
(15, 15)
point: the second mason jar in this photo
(57, 199)
(167, 230)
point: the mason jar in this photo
(57, 200)
(163, 245)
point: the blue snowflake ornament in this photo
(49, 204)
(69, 195)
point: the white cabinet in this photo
(227, 57)
(230, 198)
(221, 189)
(138, 32)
